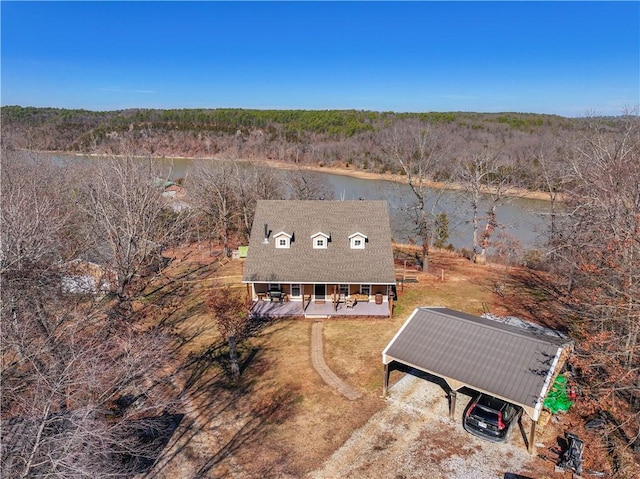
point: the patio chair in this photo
(350, 303)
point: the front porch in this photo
(275, 309)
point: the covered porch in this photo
(314, 309)
(321, 300)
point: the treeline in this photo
(341, 123)
(349, 138)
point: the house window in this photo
(357, 241)
(344, 289)
(365, 289)
(296, 291)
(320, 240)
(274, 287)
(283, 240)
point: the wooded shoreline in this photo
(334, 170)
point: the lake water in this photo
(522, 219)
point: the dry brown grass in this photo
(282, 420)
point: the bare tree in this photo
(553, 176)
(63, 380)
(225, 194)
(63, 368)
(230, 311)
(36, 212)
(600, 244)
(483, 177)
(416, 150)
(305, 185)
(213, 186)
(132, 221)
(255, 182)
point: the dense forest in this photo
(357, 139)
(111, 212)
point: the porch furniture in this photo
(360, 297)
(350, 303)
(279, 295)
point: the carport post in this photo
(453, 394)
(532, 437)
(385, 382)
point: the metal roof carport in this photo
(505, 361)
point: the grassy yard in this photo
(282, 420)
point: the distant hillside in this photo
(346, 137)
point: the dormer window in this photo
(282, 239)
(357, 241)
(320, 240)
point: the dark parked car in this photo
(490, 418)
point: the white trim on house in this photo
(357, 240)
(300, 289)
(282, 239)
(320, 240)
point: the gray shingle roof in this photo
(502, 360)
(301, 263)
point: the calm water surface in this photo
(522, 219)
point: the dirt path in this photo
(328, 376)
(412, 437)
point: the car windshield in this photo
(485, 414)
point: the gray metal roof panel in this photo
(503, 360)
(336, 264)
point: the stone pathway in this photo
(328, 376)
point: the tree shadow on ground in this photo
(537, 299)
(254, 428)
(221, 415)
(239, 413)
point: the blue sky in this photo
(566, 58)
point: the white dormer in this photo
(357, 240)
(320, 240)
(282, 240)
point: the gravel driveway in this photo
(412, 437)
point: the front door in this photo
(319, 291)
